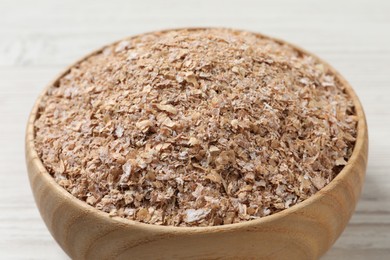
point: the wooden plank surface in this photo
(39, 38)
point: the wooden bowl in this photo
(304, 231)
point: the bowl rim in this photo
(348, 169)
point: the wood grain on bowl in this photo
(304, 231)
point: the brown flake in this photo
(214, 176)
(144, 125)
(193, 215)
(318, 182)
(340, 161)
(143, 215)
(167, 108)
(193, 141)
(214, 150)
(191, 78)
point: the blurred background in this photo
(39, 38)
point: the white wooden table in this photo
(38, 38)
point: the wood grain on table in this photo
(39, 38)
